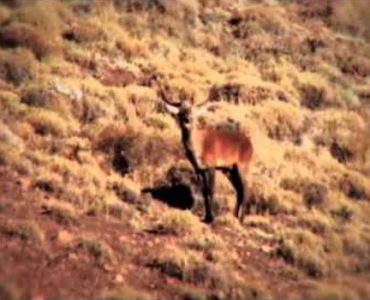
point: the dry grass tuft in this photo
(18, 67)
(282, 121)
(132, 48)
(127, 292)
(8, 155)
(84, 33)
(7, 291)
(21, 35)
(303, 250)
(178, 222)
(351, 17)
(61, 212)
(189, 267)
(334, 292)
(25, 230)
(101, 251)
(204, 242)
(45, 17)
(48, 123)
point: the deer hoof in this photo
(208, 219)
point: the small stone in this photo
(37, 297)
(118, 278)
(72, 256)
(65, 237)
(108, 268)
(123, 238)
(265, 249)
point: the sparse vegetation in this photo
(47, 122)
(98, 249)
(18, 67)
(25, 230)
(62, 212)
(20, 35)
(83, 135)
(178, 222)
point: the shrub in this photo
(63, 213)
(256, 20)
(282, 121)
(344, 213)
(340, 131)
(18, 67)
(313, 97)
(25, 230)
(47, 123)
(204, 242)
(237, 93)
(132, 146)
(178, 222)
(36, 96)
(9, 138)
(108, 136)
(317, 222)
(355, 242)
(139, 5)
(126, 292)
(172, 261)
(132, 48)
(303, 251)
(354, 65)
(188, 267)
(8, 292)
(317, 9)
(8, 155)
(334, 292)
(351, 17)
(315, 194)
(128, 195)
(49, 183)
(84, 33)
(340, 152)
(209, 275)
(355, 187)
(250, 290)
(99, 249)
(10, 107)
(4, 14)
(116, 76)
(15, 3)
(41, 15)
(21, 35)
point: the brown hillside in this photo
(97, 198)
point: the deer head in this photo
(182, 109)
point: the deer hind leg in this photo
(207, 178)
(240, 186)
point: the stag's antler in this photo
(163, 94)
(203, 103)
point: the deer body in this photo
(210, 149)
(221, 148)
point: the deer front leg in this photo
(204, 177)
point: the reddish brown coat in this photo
(215, 147)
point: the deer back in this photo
(216, 147)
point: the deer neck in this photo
(186, 137)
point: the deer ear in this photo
(200, 110)
(174, 110)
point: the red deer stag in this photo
(209, 149)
